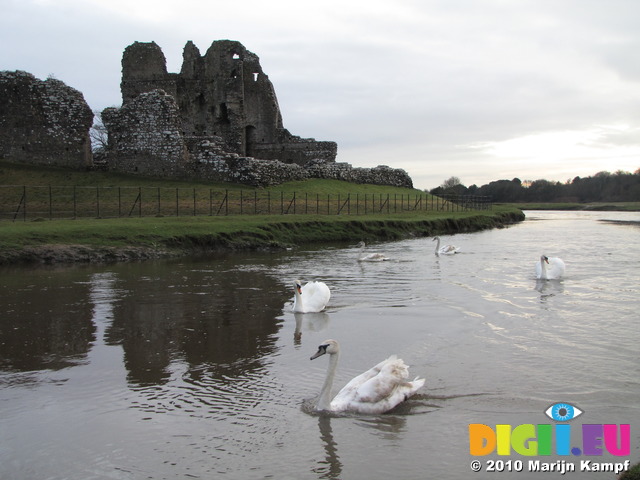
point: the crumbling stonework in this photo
(43, 122)
(145, 136)
(225, 94)
(217, 120)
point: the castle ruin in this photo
(217, 120)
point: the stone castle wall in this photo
(146, 133)
(145, 136)
(217, 120)
(43, 122)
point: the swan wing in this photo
(373, 257)
(395, 397)
(350, 388)
(449, 250)
(377, 390)
(556, 267)
(315, 296)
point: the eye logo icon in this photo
(562, 412)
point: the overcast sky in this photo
(478, 89)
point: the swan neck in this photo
(297, 303)
(437, 244)
(324, 401)
(543, 269)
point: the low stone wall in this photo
(264, 173)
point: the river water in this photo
(196, 368)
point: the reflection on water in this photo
(313, 322)
(46, 321)
(549, 288)
(198, 368)
(216, 322)
(330, 467)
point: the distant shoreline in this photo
(590, 207)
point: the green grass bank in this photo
(110, 240)
(132, 238)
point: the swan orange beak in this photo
(299, 288)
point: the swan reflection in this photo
(313, 322)
(330, 467)
(388, 426)
(548, 288)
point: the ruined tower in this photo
(224, 95)
(217, 120)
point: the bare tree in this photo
(98, 134)
(451, 182)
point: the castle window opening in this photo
(255, 76)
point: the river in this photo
(197, 368)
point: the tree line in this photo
(602, 187)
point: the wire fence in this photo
(28, 203)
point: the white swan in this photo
(313, 297)
(446, 250)
(549, 268)
(370, 257)
(377, 390)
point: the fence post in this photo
(98, 201)
(50, 204)
(140, 205)
(74, 202)
(158, 200)
(194, 201)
